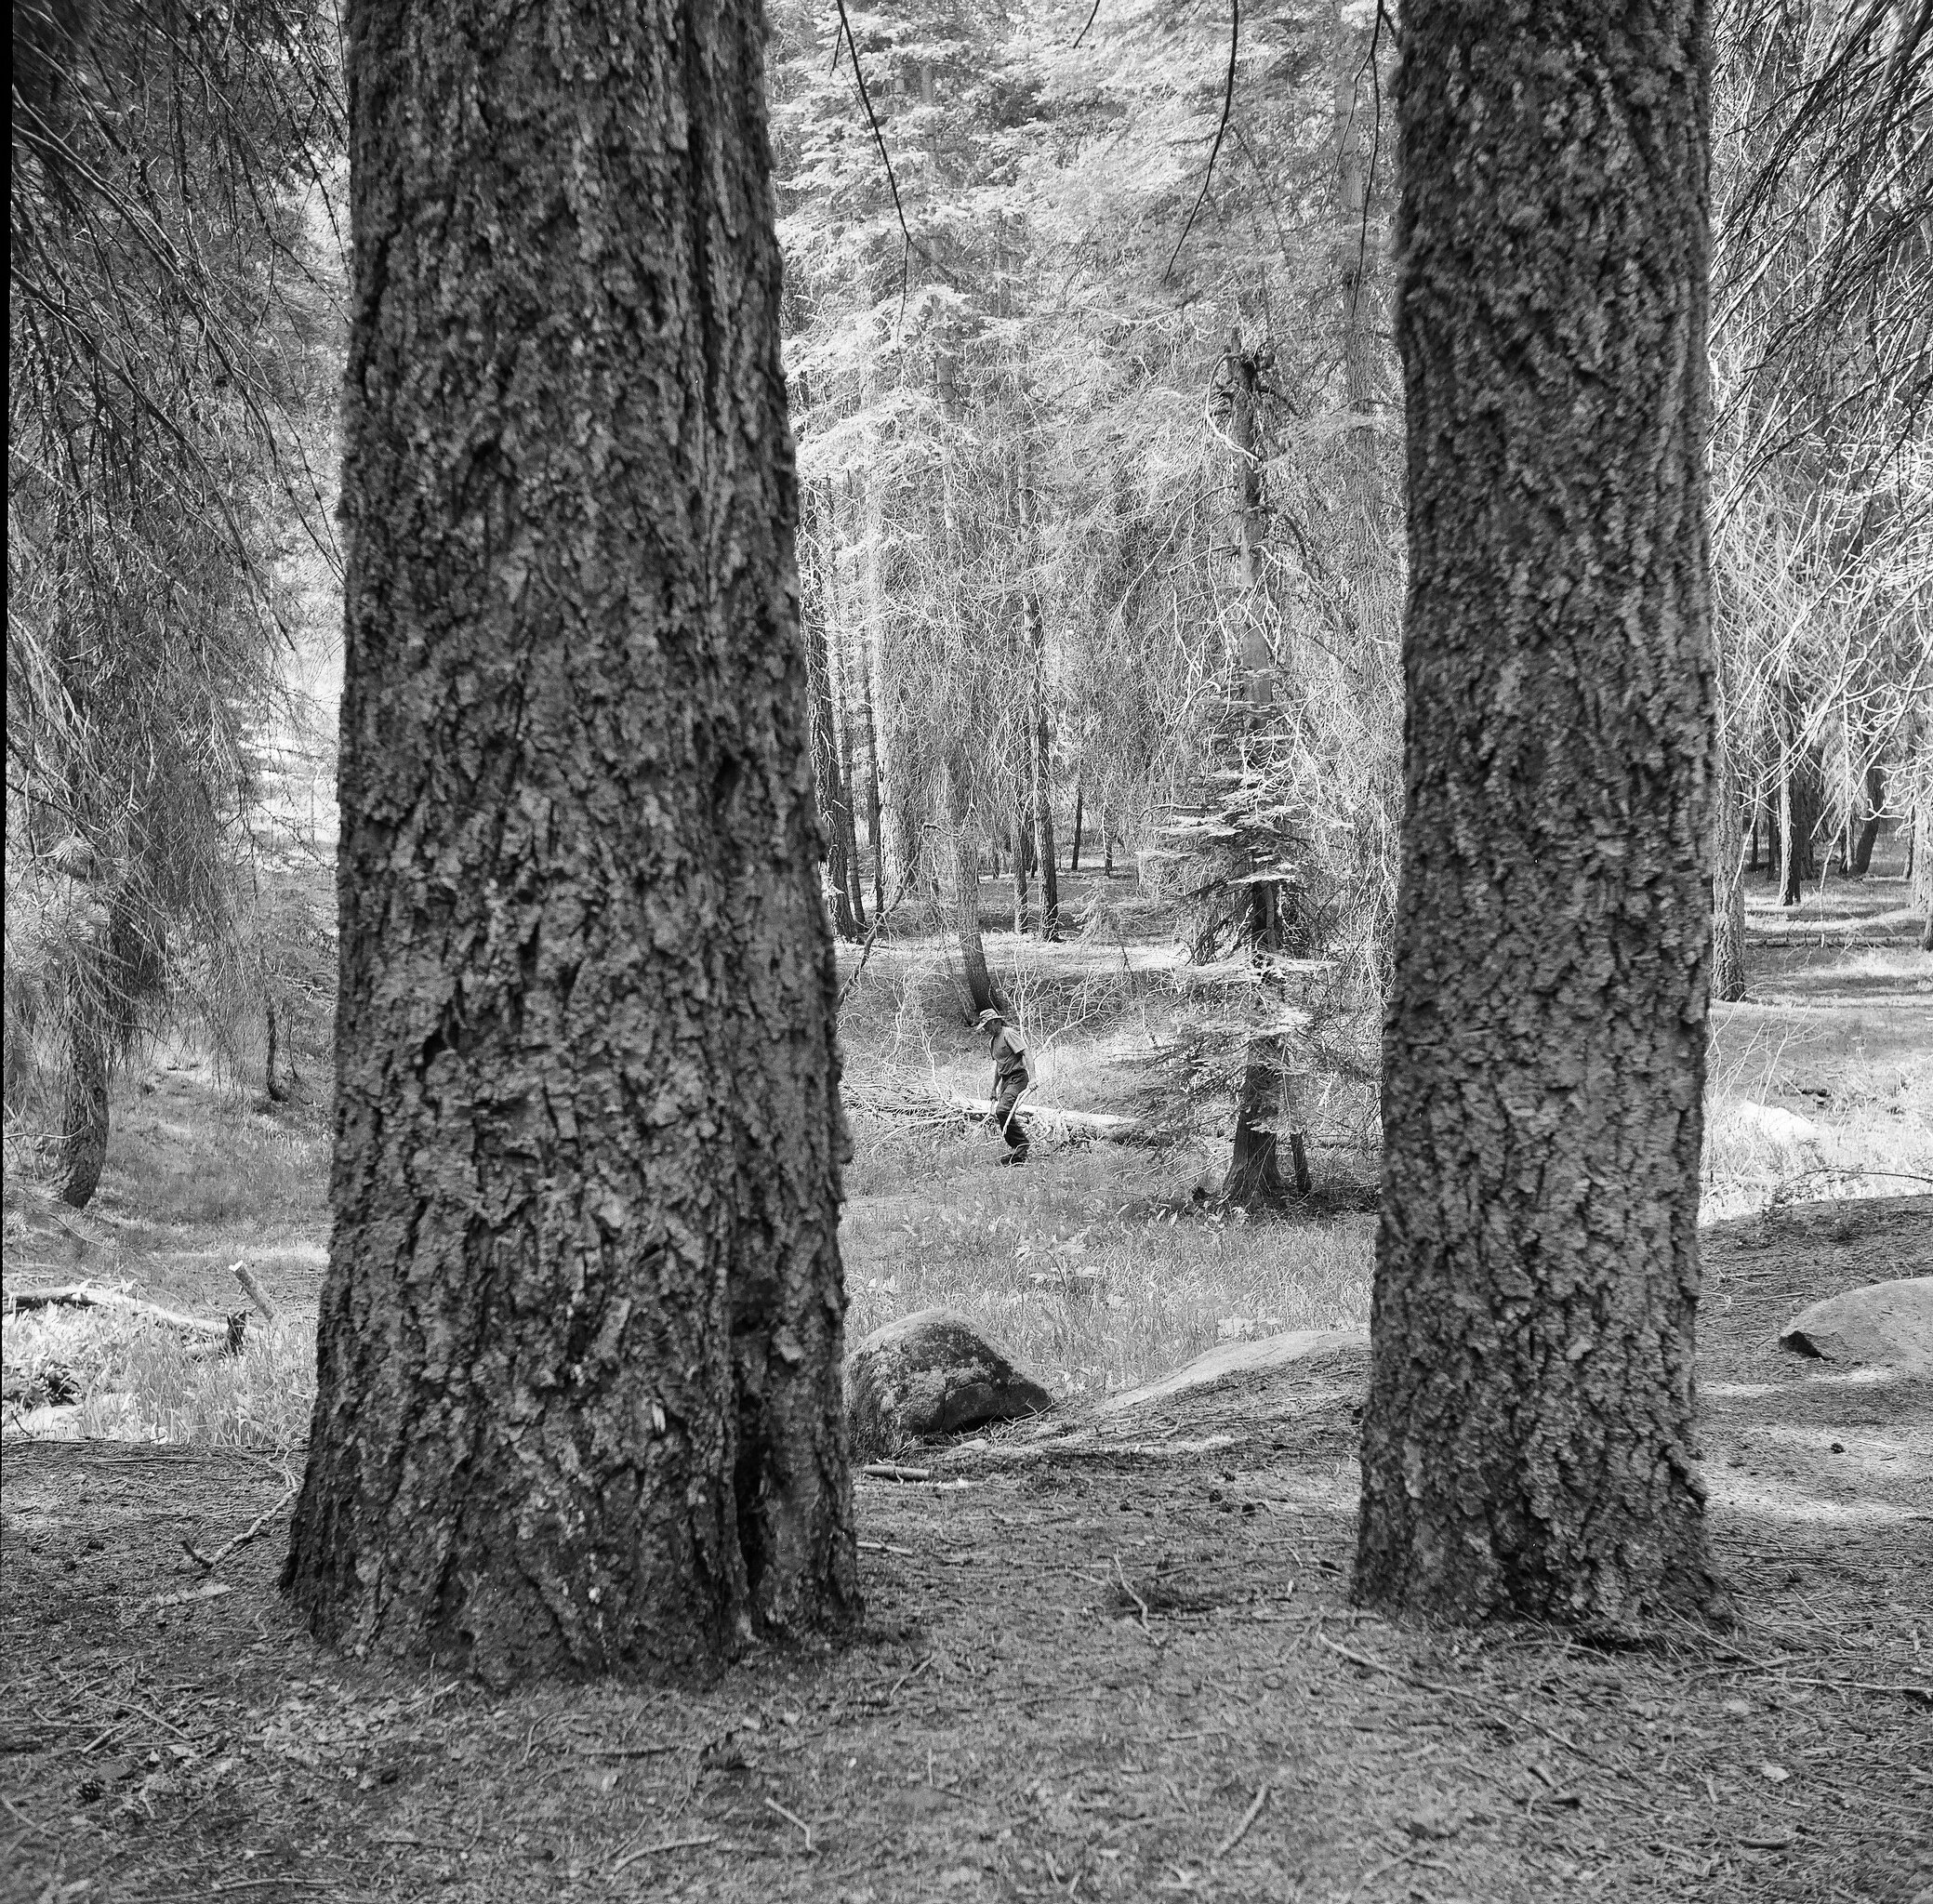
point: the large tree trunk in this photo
(1528, 1445)
(578, 1358)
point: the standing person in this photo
(1012, 1073)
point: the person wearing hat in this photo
(1012, 1073)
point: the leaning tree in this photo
(578, 1395)
(1528, 1446)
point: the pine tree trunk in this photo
(1073, 856)
(578, 1398)
(1022, 865)
(964, 878)
(1919, 846)
(1729, 976)
(1043, 824)
(815, 606)
(1801, 798)
(1528, 1444)
(1869, 831)
(1267, 1103)
(81, 1154)
(868, 728)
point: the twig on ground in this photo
(910, 1673)
(1456, 1692)
(211, 1561)
(631, 1858)
(791, 1817)
(892, 1471)
(625, 1752)
(1132, 1594)
(1241, 1830)
(884, 1547)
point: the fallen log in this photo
(95, 1296)
(1052, 1120)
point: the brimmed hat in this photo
(987, 1018)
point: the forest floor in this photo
(1111, 1663)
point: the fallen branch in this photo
(666, 1845)
(892, 1471)
(96, 1296)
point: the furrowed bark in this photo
(578, 1358)
(1528, 1446)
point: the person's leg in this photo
(1008, 1122)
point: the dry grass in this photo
(1072, 1266)
(141, 1381)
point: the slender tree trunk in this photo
(1074, 857)
(1022, 865)
(1528, 1444)
(1729, 976)
(1267, 1103)
(1919, 845)
(1802, 801)
(842, 730)
(815, 601)
(839, 620)
(81, 1154)
(578, 1397)
(868, 727)
(1868, 832)
(1106, 844)
(963, 879)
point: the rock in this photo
(1245, 1358)
(1887, 1324)
(931, 1373)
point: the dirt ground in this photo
(1115, 1664)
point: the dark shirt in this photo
(1009, 1060)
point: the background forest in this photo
(1101, 556)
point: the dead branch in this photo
(253, 1289)
(211, 1561)
(93, 1296)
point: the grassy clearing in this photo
(1098, 1267)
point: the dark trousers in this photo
(1006, 1120)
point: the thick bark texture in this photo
(1528, 1446)
(579, 1360)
